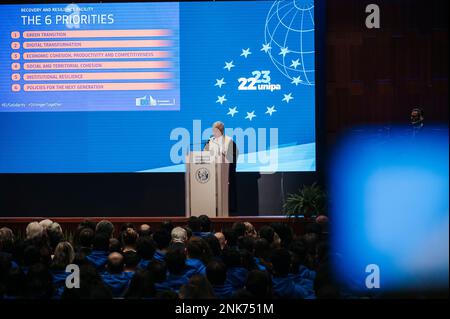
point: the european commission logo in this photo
(148, 100)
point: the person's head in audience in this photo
(175, 261)
(214, 245)
(45, 223)
(322, 252)
(63, 255)
(247, 243)
(247, 260)
(131, 260)
(188, 231)
(81, 226)
(33, 230)
(285, 233)
(80, 258)
(310, 241)
(262, 249)
(125, 226)
(179, 235)
(6, 240)
(299, 255)
(40, 243)
(145, 230)
(115, 245)
(141, 286)
(281, 262)
(87, 224)
(129, 238)
(250, 230)
(115, 264)
(105, 227)
(231, 257)
(221, 238)
(313, 228)
(55, 234)
(216, 272)
(205, 223)
(167, 225)
(197, 248)
(276, 241)
(322, 219)
(101, 242)
(162, 239)
(31, 255)
(145, 247)
(239, 229)
(268, 233)
(39, 284)
(194, 224)
(198, 287)
(231, 237)
(259, 284)
(158, 271)
(86, 237)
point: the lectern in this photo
(206, 184)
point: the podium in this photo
(206, 181)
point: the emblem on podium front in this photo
(202, 175)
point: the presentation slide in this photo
(134, 87)
(100, 57)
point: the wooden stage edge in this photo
(218, 223)
(124, 219)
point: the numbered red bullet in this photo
(15, 35)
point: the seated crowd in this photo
(167, 263)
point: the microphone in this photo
(211, 138)
(200, 145)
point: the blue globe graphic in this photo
(289, 31)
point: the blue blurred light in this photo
(390, 207)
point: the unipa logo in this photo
(259, 81)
